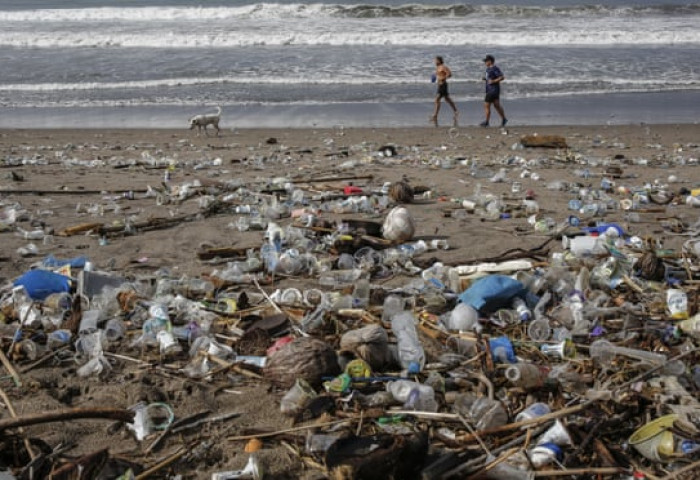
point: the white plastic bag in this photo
(399, 225)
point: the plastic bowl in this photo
(653, 440)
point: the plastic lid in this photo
(413, 368)
(556, 449)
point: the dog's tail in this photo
(218, 111)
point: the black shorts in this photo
(442, 90)
(492, 97)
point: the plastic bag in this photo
(39, 284)
(399, 225)
(490, 293)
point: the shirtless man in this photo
(442, 73)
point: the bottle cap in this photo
(413, 368)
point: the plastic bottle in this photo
(37, 234)
(522, 309)
(435, 276)
(290, 262)
(422, 399)
(413, 395)
(360, 294)
(527, 375)
(367, 258)
(691, 326)
(57, 339)
(270, 257)
(168, 344)
(58, 301)
(314, 319)
(114, 329)
(411, 352)
(346, 262)
(393, 304)
(604, 351)
(89, 320)
(533, 411)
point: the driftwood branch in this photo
(10, 369)
(338, 178)
(579, 471)
(13, 414)
(512, 254)
(70, 414)
(71, 192)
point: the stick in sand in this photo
(267, 297)
(69, 414)
(10, 369)
(13, 414)
(286, 430)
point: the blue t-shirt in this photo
(492, 73)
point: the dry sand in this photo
(247, 156)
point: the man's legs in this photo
(499, 109)
(434, 118)
(487, 112)
(454, 109)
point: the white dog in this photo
(205, 120)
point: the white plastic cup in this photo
(533, 411)
(539, 330)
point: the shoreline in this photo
(609, 109)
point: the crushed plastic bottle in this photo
(411, 352)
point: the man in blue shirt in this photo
(493, 79)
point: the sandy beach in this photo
(68, 177)
(98, 161)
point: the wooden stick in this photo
(68, 414)
(159, 466)
(654, 369)
(687, 468)
(232, 366)
(332, 179)
(80, 229)
(127, 358)
(13, 414)
(525, 423)
(630, 283)
(46, 357)
(71, 192)
(267, 297)
(286, 430)
(579, 471)
(10, 369)
(471, 431)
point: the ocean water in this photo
(260, 59)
